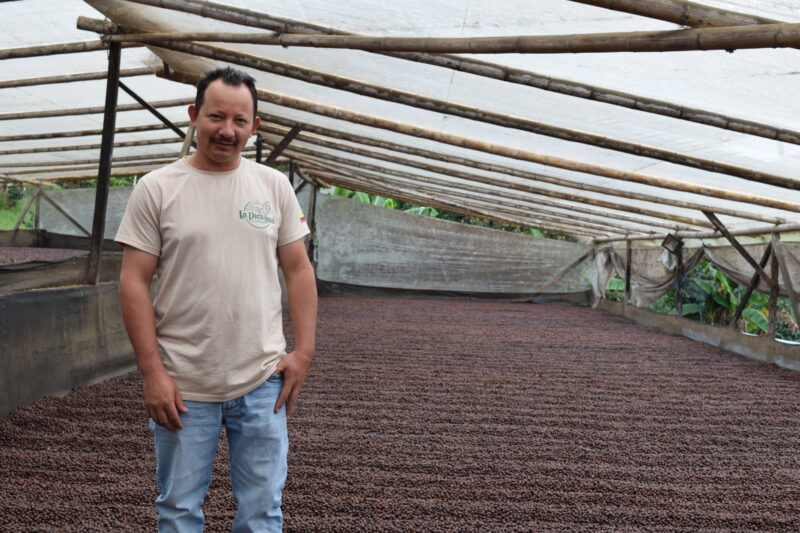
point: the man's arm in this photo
(301, 288)
(161, 396)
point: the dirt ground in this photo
(457, 416)
(23, 254)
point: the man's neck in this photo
(197, 161)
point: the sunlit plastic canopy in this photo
(480, 155)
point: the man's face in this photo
(223, 124)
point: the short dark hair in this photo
(230, 76)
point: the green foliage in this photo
(710, 297)
(391, 203)
(12, 202)
(114, 181)
(615, 290)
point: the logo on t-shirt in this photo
(256, 214)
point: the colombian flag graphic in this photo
(302, 218)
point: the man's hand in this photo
(163, 400)
(295, 369)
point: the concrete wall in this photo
(756, 348)
(56, 339)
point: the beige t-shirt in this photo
(218, 299)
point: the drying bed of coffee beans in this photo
(457, 416)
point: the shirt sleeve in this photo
(293, 221)
(140, 226)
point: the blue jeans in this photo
(258, 443)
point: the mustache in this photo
(225, 140)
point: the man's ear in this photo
(192, 114)
(256, 124)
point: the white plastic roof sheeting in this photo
(756, 85)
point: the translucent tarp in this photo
(754, 85)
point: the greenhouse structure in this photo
(556, 243)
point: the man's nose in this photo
(226, 128)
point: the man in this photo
(210, 347)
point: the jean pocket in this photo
(276, 378)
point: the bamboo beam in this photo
(628, 261)
(73, 168)
(86, 133)
(71, 78)
(750, 288)
(416, 179)
(739, 248)
(472, 113)
(7, 177)
(92, 110)
(522, 155)
(188, 141)
(680, 12)
(141, 101)
(761, 230)
(469, 201)
(364, 185)
(563, 272)
(784, 35)
(76, 147)
(772, 305)
(281, 146)
(63, 163)
(61, 48)
(494, 71)
(476, 177)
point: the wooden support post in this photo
(750, 288)
(787, 281)
(154, 111)
(739, 248)
(628, 260)
(37, 209)
(291, 171)
(773, 299)
(104, 168)
(259, 147)
(312, 209)
(679, 280)
(283, 144)
(188, 141)
(66, 214)
(22, 216)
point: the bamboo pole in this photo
(783, 35)
(14, 179)
(772, 304)
(475, 177)
(70, 78)
(761, 230)
(188, 140)
(415, 179)
(25, 209)
(357, 184)
(63, 163)
(282, 145)
(86, 133)
(739, 248)
(478, 67)
(523, 155)
(385, 186)
(60, 48)
(92, 110)
(73, 168)
(472, 113)
(750, 288)
(439, 193)
(47, 149)
(681, 12)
